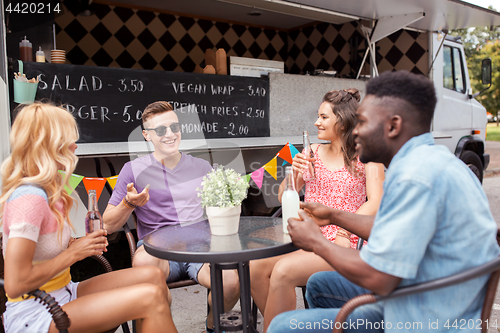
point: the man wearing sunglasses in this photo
(161, 188)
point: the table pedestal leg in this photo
(217, 292)
(245, 296)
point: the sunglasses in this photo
(162, 130)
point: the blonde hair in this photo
(40, 141)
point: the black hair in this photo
(415, 89)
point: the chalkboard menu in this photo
(107, 103)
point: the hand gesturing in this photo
(137, 199)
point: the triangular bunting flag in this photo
(293, 150)
(271, 167)
(258, 176)
(284, 153)
(284, 162)
(74, 180)
(112, 181)
(96, 184)
(247, 177)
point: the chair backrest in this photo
(492, 268)
(133, 247)
(58, 315)
(3, 297)
(491, 290)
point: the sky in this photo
(485, 3)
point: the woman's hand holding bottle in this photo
(301, 162)
(94, 243)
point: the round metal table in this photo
(258, 237)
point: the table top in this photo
(258, 237)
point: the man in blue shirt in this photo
(434, 221)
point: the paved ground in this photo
(189, 304)
(189, 309)
(493, 148)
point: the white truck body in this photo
(459, 121)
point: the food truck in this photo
(281, 57)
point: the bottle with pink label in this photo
(93, 220)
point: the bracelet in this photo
(128, 204)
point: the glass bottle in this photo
(93, 220)
(290, 202)
(309, 153)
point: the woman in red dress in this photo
(341, 181)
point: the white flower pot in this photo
(224, 221)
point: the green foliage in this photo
(222, 188)
(480, 43)
(491, 98)
(493, 132)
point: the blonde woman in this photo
(37, 246)
(342, 182)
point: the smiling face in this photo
(326, 123)
(369, 134)
(166, 145)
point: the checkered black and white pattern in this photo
(404, 49)
(132, 38)
(341, 48)
(326, 46)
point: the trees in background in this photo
(491, 98)
(480, 43)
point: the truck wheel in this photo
(474, 163)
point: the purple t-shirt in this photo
(172, 194)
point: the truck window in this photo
(458, 71)
(453, 70)
(447, 69)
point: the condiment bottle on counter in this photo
(40, 55)
(25, 50)
(309, 153)
(290, 202)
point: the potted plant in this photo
(222, 191)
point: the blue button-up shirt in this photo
(434, 220)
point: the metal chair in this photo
(132, 243)
(492, 267)
(58, 315)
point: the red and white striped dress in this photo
(337, 189)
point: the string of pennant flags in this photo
(96, 183)
(286, 154)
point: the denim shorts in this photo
(29, 316)
(181, 270)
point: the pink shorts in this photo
(32, 317)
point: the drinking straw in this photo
(54, 33)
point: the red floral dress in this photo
(337, 189)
